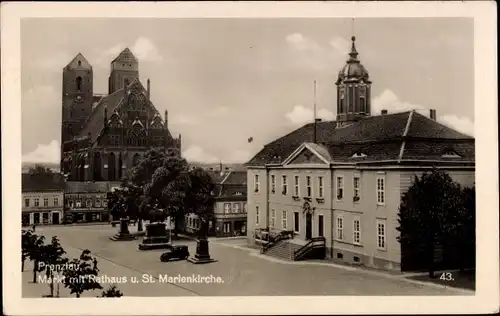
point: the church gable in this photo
(79, 62)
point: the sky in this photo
(226, 80)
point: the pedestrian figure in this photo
(33, 227)
(95, 264)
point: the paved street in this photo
(243, 271)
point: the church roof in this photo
(95, 123)
(125, 56)
(373, 138)
(79, 62)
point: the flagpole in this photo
(314, 132)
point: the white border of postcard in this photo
(486, 299)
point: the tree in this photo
(200, 199)
(40, 170)
(83, 277)
(53, 257)
(167, 189)
(112, 291)
(429, 213)
(132, 185)
(27, 243)
(36, 253)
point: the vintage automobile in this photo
(175, 252)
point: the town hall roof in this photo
(373, 138)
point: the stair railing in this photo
(273, 240)
(313, 242)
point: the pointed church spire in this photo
(354, 53)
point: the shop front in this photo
(86, 216)
(230, 227)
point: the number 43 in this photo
(446, 276)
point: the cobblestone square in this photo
(240, 271)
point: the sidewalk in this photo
(361, 269)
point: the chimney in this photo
(383, 112)
(149, 89)
(432, 115)
(166, 118)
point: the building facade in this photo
(86, 202)
(343, 180)
(43, 199)
(230, 209)
(104, 135)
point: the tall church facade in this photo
(102, 136)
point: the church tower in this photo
(77, 92)
(353, 90)
(124, 69)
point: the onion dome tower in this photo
(353, 89)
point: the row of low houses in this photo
(48, 199)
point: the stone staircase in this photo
(283, 249)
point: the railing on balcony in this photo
(273, 240)
(314, 243)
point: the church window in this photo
(78, 83)
(79, 63)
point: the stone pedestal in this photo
(156, 237)
(123, 233)
(202, 252)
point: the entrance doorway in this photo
(55, 218)
(308, 226)
(320, 226)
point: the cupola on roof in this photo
(353, 70)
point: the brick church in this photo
(103, 136)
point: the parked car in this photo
(176, 252)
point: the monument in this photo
(123, 234)
(202, 252)
(156, 236)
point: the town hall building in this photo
(102, 136)
(338, 184)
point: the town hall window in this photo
(340, 188)
(320, 187)
(273, 183)
(308, 185)
(380, 189)
(297, 191)
(256, 183)
(284, 185)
